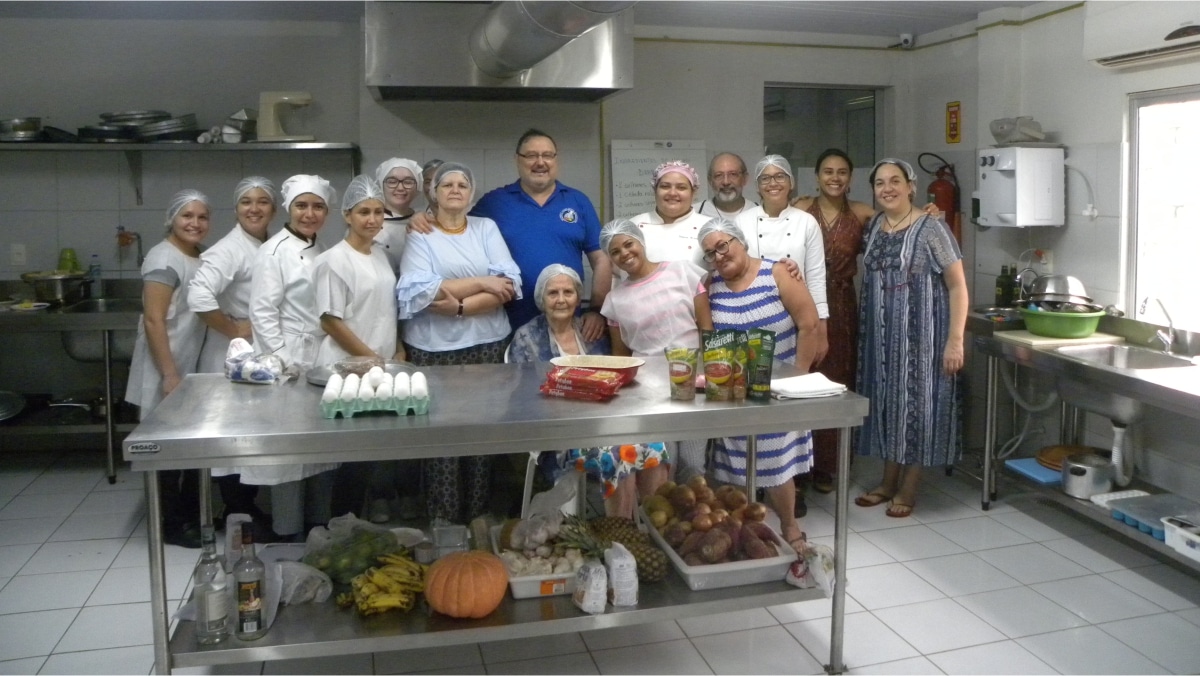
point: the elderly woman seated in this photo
(554, 333)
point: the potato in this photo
(702, 523)
(755, 511)
(691, 543)
(697, 482)
(734, 499)
(715, 546)
(683, 498)
(665, 489)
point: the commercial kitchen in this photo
(993, 572)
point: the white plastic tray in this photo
(534, 586)
(717, 575)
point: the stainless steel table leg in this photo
(840, 527)
(110, 412)
(989, 434)
(158, 581)
(205, 497)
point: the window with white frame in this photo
(1165, 238)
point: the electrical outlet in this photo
(16, 255)
(1046, 258)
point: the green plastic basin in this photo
(1061, 324)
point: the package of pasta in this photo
(550, 391)
(578, 379)
(719, 349)
(760, 356)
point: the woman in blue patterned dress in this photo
(745, 293)
(912, 313)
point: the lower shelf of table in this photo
(313, 630)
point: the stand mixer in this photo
(269, 106)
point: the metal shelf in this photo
(133, 151)
(36, 430)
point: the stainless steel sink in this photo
(106, 305)
(1123, 357)
(88, 346)
(1079, 392)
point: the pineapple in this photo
(595, 537)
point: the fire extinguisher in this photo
(943, 191)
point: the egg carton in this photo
(400, 406)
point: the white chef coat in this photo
(359, 289)
(708, 208)
(223, 283)
(283, 309)
(675, 241)
(284, 318)
(392, 238)
(793, 234)
(185, 331)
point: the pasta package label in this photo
(574, 382)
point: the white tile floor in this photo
(1020, 589)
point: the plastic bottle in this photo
(95, 274)
(249, 574)
(209, 593)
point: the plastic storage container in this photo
(1061, 324)
(533, 586)
(1183, 534)
(1146, 512)
(736, 573)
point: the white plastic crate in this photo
(733, 574)
(1183, 534)
(534, 586)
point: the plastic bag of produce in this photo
(243, 366)
(813, 568)
(301, 583)
(591, 587)
(347, 547)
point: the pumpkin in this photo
(466, 584)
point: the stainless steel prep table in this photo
(485, 409)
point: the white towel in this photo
(805, 386)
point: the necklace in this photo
(826, 222)
(451, 231)
(893, 227)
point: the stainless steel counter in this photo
(57, 319)
(490, 409)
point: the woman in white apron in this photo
(219, 294)
(168, 346)
(284, 318)
(400, 179)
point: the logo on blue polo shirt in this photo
(568, 215)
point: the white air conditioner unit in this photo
(1121, 34)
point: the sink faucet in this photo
(1167, 338)
(127, 237)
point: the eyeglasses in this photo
(393, 183)
(767, 179)
(722, 248)
(727, 175)
(534, 157)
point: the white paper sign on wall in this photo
(633, 164)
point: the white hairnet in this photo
(382, 171)
(307, 183)
(452, 168)
(250, 183)
(619, 226)
(362, 187)
(548, 273)
(774, 161)
(180, 200)
(904, 166)
(720, 225)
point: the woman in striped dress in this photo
(745, 293)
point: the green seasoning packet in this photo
(719, 348)
(761, 355)
(740, 362)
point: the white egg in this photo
(365, 391)
(384, 391)
(387, 378)
(335, 381)
(402, 388)
(332, 390)
(375, 376)
(350, 388)
(420, 388)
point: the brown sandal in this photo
(871, 499)
(899, 510)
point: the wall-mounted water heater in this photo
(1021, 187)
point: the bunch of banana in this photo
(393, 585)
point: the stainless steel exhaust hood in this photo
(502, 51)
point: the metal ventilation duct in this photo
(516, 51)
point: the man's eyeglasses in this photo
(534, 157)
(727, 176)
(767, 179)
(393, 183)
(721, 248)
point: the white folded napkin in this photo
(805, 386)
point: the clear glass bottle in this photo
(209, 592)
(249, 575)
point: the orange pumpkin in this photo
(466, 584)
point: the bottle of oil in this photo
(249, 574)
(1003, 287)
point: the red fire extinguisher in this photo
(943, 191)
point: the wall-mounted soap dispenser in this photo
(1021, 187)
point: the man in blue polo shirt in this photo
(544, 222)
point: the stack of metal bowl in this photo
(1061, 293)
(21, 129)
(180, 129)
